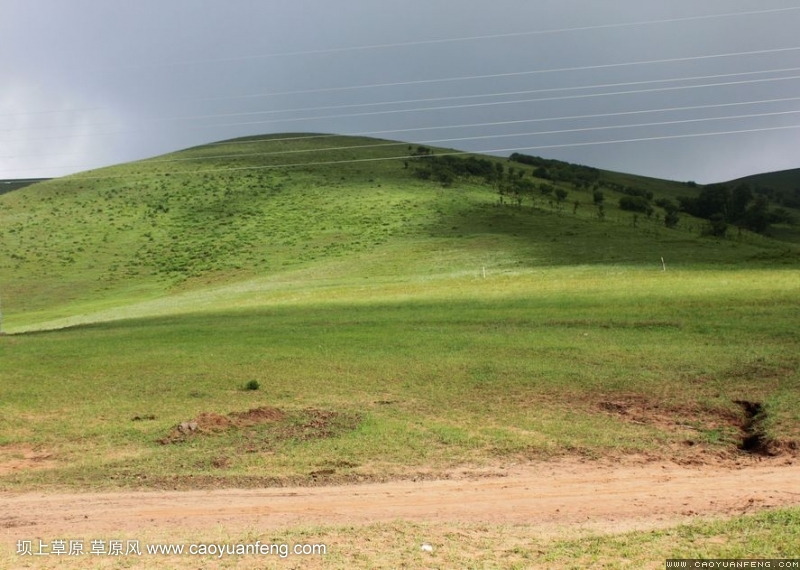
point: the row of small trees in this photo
(558, 171)
(718, 204)
(514, 187)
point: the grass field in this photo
(393, 328)
(427, 373)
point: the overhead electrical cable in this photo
(451, 99)
(471, 77)
(479, 137)
(445, 107)
(502, 75)
(503, 123)
(438, 127)
(444, 98)
(407, 157)
(371, 47)
(496, 94)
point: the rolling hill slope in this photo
(784, 180)
(331, 207)
(393, 318)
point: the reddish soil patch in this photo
(741, 428)
(302, 425)
(210, 422)
(259, 415)
(669, 417)
(15, 458)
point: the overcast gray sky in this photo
(88, 83)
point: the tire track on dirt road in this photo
(558, 495)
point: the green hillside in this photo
(224, 213)
(321, 310)
(783, 180)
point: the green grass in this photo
(772, 534)
(394, 328)
(438, 373)
(141, 231)
(437, 326)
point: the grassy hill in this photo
(225, 213)
(784, 180)
(783, 189)
(393, 325)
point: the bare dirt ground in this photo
(584, 495)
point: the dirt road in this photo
(585, 495)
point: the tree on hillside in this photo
(714, 200)
(498, 171)
(635, 204)
(756, 217)
(671, 218)
(739, 199)
(523, 187)
(722, 206)
(717, 226)
(782, 216)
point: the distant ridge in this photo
(782, 187)
(17, 183)
(779, 180)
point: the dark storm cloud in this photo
(89, 83)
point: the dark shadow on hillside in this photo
(11, 185)
(548, 236)
(220, 326)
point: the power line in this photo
(445, 107)
(512, 102)
(78, 177)
(470, 77)
(496, 123)
(500, 75)
(501, 94)
(432, 99)
(461, 139)
(428, 128)
(477, 137)
(503, 123)
(470, 38)
(497, 94)
(477, 77)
